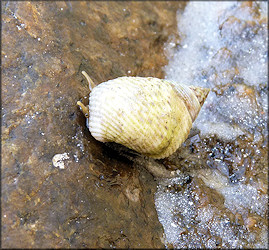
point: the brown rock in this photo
(95, 199)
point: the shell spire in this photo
(197, 102)
(200, 93)
(193, 97)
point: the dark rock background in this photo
(99, 199)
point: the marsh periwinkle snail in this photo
(149, 115)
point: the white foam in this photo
(210, 56)
(219, 47)
(188, 225)
(238, 198)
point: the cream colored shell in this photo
(149, 115)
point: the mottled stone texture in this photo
(99, 199)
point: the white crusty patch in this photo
(58, 160)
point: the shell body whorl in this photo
(146, 114)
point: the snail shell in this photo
(149, 115)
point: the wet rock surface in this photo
(60, 187)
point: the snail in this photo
(149, 115)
